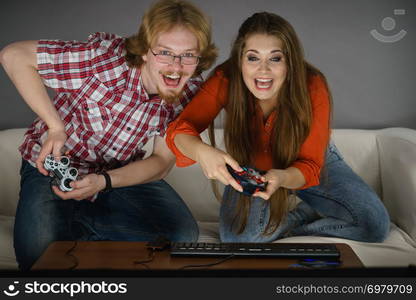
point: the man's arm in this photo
(155, 167)
(19, 62)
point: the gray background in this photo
(373, 83)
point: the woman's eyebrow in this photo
(273, 51)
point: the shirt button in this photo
(114, 148)
(128, 128)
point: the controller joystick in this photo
(249, 179)
(61, 173)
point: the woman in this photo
(277, 120)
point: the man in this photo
(113, 95)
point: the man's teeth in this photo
(173, 76)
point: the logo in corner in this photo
(11, 290)
(388, 25)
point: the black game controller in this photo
(249, 179)
(62, 174)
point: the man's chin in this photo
(170, 96)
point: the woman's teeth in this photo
(263, 83)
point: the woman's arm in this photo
(290, 178)
(183, 134)
(311, 156)
(212, 161)
(198, 115)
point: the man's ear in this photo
(144, 57)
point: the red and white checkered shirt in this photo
(107, 113)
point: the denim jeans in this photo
(135, 213)
(343, 206)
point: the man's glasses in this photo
(165, 57)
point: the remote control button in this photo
(73, 172)
(67, 182)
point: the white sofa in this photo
(386, 159)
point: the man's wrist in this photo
(55, 124)
(57, 128)
(107, 181)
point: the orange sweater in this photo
(212, 97)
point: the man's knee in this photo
(188, 232)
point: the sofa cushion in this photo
(7, 257)
(10, 161)
(360, 151)
(398, 174)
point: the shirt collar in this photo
(134, 83)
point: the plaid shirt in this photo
(107, 113)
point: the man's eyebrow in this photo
(273, 51)
(169, 48)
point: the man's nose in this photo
(177, 62)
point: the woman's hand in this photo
(53, 144)
(84, 188)
(213, 163)
(275, 179)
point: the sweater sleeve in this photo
(312, 153)
(198, 114)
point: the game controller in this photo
(62, 174)
(249, 179)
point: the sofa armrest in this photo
(10, 161)
(397, 153)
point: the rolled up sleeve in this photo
(198, 114)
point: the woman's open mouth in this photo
(263, 83)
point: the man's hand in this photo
(53, 144)
(274, 179)
(213, 163)
(84, 188)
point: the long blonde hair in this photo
(161, 17)
(294, 111)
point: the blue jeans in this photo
(135, 213)
(343, 206)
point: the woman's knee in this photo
(375, 220)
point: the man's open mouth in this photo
(171, 80)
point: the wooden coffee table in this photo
(128, 255)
